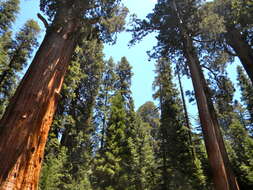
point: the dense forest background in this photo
(98, 139)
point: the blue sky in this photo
(136, 55)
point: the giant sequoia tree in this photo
(26, 122)
(177, 24)
(174, 142)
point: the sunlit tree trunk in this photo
(26, 122)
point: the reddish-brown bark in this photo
(220, 176)
(26, 122)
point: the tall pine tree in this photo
(18, 55)
(179, 168)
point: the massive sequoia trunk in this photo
(26, 122)
(222, 175)
(242, 49)
(212, 146)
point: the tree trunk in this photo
(26, 122)
(216, 161)
(230, 174)
(186, 117)
(223, 176)
(242, 49)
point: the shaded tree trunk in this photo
(231, 177)
(223, 176)
(220, 175)
(104, 124)
(26, 122)
(187, 121)
(242, 49)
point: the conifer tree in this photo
(123, 82)
(247, 91)
(149, 113)
(111, 168)
(143, 165)
(77, 137)
(8, 12)
(178, 166)
(53, 168)
(178, 31)
(242, 145)
(18, 56)
(103, 102)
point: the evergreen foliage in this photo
(247, 90)
(97, 140)
(178, 167)
(8, 12)
(111, 168)
(16, 59)
(103, 102)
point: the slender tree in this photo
(247, 90)
(112, 163)
(103, 102)
(173, 136)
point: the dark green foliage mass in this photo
(178, 167)
(242, 145)
(16, 59)
(103, 18)
(8, 12)
(237, 139)
(111, 166)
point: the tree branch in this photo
(214, 74)
(43, 20)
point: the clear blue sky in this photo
(142, 68)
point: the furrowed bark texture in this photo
(242, 49)
(216, 161)
(26, 122)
